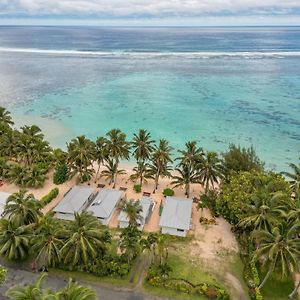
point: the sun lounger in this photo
(147, 194)
(124, 189)
(100, 186)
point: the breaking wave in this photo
(152, 54)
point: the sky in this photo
(150, 12)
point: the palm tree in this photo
(141, 173)
(8, 143)
(280, 249)
(118, 148)
(59, 157)
(265, 211)
(295, 178)
(162, 242)
(81, 154)
(133, 210)
(35, 176)
(33, 132)
(47, 241)
(142, 146)
(83, 240)
(186, 176)
(130, 242)
(100, 154)
(23, 208)
(111, 171)
(210, 170)
(5, 117)
(187, 167)
(74, 291)
(14, 239)
(160, 159)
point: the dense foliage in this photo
(50, 196)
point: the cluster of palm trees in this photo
(25, 231)
(35, 291)
(27, 158)
(273, 224)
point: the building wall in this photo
(173, 231)
(69, 217)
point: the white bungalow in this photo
(74, 201)
(147, 205)
(104, 204)
(176, 216)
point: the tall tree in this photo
(133, 210)
(160, 160)
(5, 117)
(294, 178)
(111, 171)
(118, 148)
(279, 249)
(14, 239)
(100, 154)
(81, 154)
(83, 240)
(142, 146)
(23, 208)
(210, 170)
(47, 242)
(142, 172)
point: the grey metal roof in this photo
(105, 202)
(3, 198)
(176, 213)
(74, 199)
(145, 202)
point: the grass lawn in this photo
(277, 289)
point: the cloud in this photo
(148, 8)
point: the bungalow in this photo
(176, 216)
(3, 197)
(74, 201)
(147, 205)
(104, 204)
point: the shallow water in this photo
(216, 86)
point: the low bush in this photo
(168, 192)
(137, 188)
(155, 278)
(49, 197)
(61, 174)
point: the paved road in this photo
(21, 277)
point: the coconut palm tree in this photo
(35, 176)
(142, 172)
(32, 291)
(100, 154)
(142, 146)
(118, 147)
(130, 242)
(33, 132)
(295, 178)
(5, 117)
(162, 243)
(210, 170)
(133, 210)
(186, 176)
(74, 291)
(8, 143)
(111, 172)
(279, 249)
(23, 208)
(160, 160)
(47, 242)
(189, 161)
(14, 239)
(265, 211)
(81, 154)
(83, 240)
(59, 157)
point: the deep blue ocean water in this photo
(213, 85)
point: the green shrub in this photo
(168, 192)
(137, 188)
(61, 174)
(49, 197)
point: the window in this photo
(180, 230)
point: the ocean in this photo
(215, 85)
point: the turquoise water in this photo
(247, 99)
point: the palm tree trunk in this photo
(293, 293)
(156, 182)
(266, 277)
(187, 190)
(98, 170)
(206, 186)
